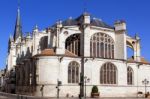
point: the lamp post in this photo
(59, 83)
(30, 83)
(86, 80)
(145, 82)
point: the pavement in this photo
(5, 97)
(14, 96)
(2, 97)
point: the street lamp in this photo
(145, 82)
(59, 83)
(86, 80)
(30, 83)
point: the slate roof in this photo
(18, 27)
(69, 22)
(77, 21)
(99, 23)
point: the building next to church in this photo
(38, 60)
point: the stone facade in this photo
(42, 58)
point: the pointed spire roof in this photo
(18, 27)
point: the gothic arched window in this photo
(101, 45)
(44, 42)
(73, 72)
(108, 74)
(73, 44)
(129, 76)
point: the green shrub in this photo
(94, 89)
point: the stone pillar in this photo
(137, 49)
(49, 38)
(86, 35)
(120, 40)
(85, 31)
(59, 40)
(35, 40)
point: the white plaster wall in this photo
(144, 73)
(50, 70)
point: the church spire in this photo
(18, 27)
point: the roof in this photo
(77, 21)
(142, 60)
(69, 22)
(99, 23)
(47, 52)
(68, 53)
(18, 27)
(51, 52)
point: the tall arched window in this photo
(73, 72)
(101, 45)
(43, 42)
(108, 74)
(129, 76)
(73, 44)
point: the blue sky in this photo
(44, 13)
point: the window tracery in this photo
(73, 44)
(129, 76)
(101, 45)
(73, 72)
(108, 74)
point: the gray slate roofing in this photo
(99, 23)
(78, 21)
(18, 27)
(70, 22)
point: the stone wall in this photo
(50, 70)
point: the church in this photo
(38, 60)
